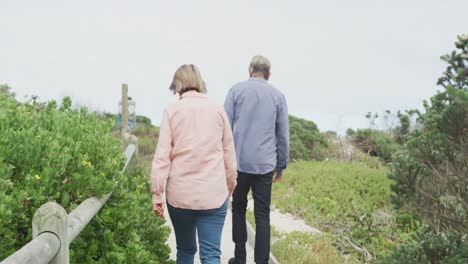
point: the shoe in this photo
(236, 261)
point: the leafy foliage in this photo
(126, 230)
(431, 172)
(143, 119)
(427, 247)
(401, 132)
(306, 141)
(374, 142)
(55, 153)
(147, 137)
(5, 89)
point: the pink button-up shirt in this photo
(195, 161)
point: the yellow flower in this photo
(37, 177)
(84, 162)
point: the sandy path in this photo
(284, 223)
(287, 223)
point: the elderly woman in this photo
(195, 162)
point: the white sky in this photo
(334, 60)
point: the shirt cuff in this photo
(279, 172)
(158, 198)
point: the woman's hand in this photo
(158, 208)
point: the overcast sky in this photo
(334, 60)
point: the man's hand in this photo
(277, 177)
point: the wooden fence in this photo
(54, 230)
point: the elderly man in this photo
(259, 118)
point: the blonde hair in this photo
(187, 77)
(260, 64)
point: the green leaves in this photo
(306, 141)
(427, 247)
(126, 230)
(68, 156)
(375, 143)
(431, 170)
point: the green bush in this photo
(6, 90)
(143, 119)
(126, 230)
(306, 141)
(375, 143)
(431, 172)
(147, 138)
(427, 247)
(50, 153)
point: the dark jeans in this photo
(261, 190)
(209, 225)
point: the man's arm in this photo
(282, 136)
(229, 106)
(230, 162)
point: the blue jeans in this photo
(209, 226)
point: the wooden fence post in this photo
(52, 218)
(127, 138)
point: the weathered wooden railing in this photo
(54, 230)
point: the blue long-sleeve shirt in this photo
(259, 119)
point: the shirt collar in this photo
(257, 79)
(193, 94)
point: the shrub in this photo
(147, 138)
(427, 247)
(50, 153)
(6, 90)
(401, 132)
(126, 230)
(143, 119)
(350, 132)
(306, 142)
(375, 143)
(431, 172)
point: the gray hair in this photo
(187, 77)
(260, 64)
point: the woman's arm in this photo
(230, 162)
(161, 165)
